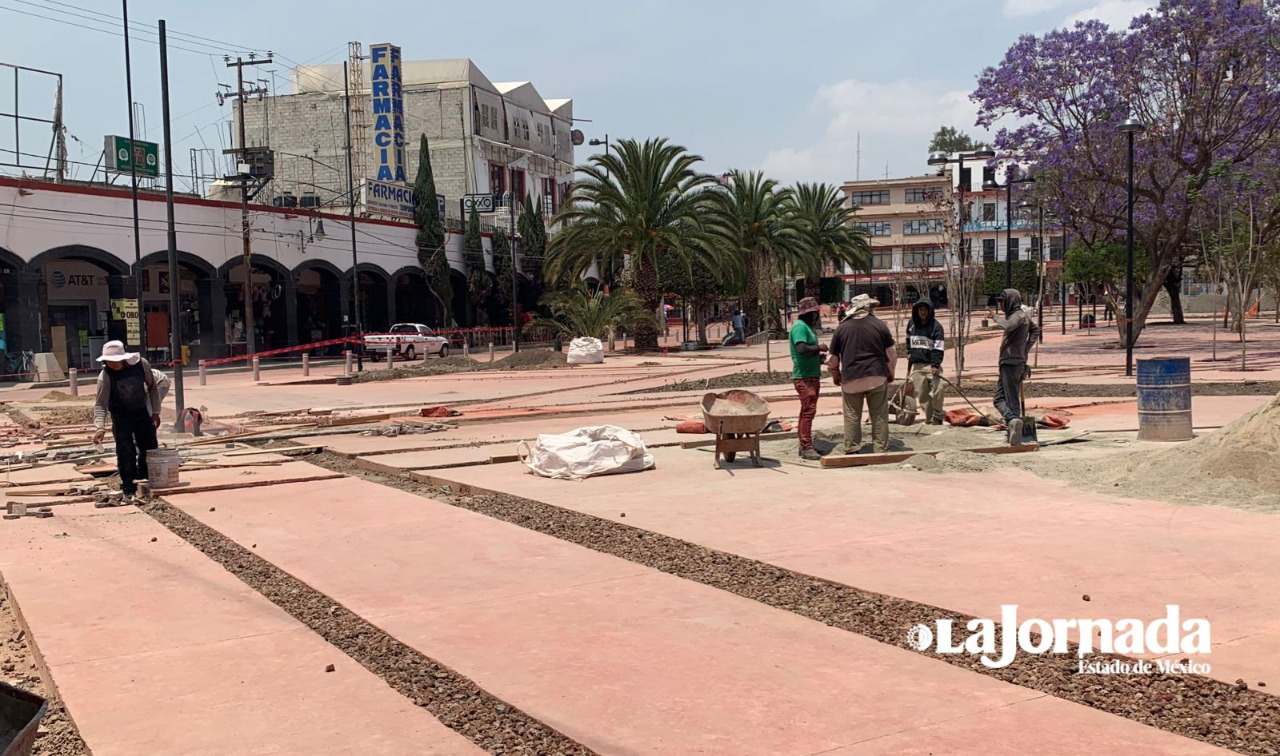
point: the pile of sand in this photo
(1246, 450)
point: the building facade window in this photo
(878, 197)
(882, 260)
(966, 179)
(922, 194)
(922, 226)
(549, 196)
(923, 258)
(497, 179)
(988, 212)
(988, 250)
(1013, 248)
(517, 184)
(1055, 247)
(876, 228)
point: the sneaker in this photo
(1015, 432)
(810, 454)
(127, 499)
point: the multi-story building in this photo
(485, 138)
(914, 237)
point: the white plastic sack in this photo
(581, 453)
(585, 350)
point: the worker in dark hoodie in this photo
(1020, 332)
(925, 343)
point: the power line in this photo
(93, 28)
(138, 25)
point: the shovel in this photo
(1028, 421)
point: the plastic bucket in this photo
(162, 467)
(20, 714)
(1164, 399)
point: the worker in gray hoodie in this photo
(1020, 332)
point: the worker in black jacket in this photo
(1020, 332)
(926, 343)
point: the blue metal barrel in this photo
(1164, 399)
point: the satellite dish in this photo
(577, 137)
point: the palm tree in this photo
(827, 229)
(582, 312)
(763, 231)
(637, 204)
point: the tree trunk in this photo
(701, 310)
(646, 282)
(1173, 286)
(751, 306)
(813, 286)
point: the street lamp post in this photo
(1009, 181)
(605, 142)
(1130, 127)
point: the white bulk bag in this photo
(581, 453)
(585, 350)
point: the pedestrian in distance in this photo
(926, 344)
(806, 370)
(128, 391)
(1020, 332)
(862, 360)
(739, 326)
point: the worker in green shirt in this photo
(806, 371)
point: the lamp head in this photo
(319, 232)
(1132, 126)
(985, 153)
(596, 142)
(938, 158)
(990, 185)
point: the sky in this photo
(783, 87)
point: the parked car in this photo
(408, 341)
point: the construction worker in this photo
(862, 360)
(926, 344)
(1020, 332)
(806, 371)
(127, 390)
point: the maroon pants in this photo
(808, 389)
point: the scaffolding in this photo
(359, 111)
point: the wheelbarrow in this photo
(737, 418)
(20, 714)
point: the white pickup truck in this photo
(407, 341)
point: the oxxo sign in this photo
(388, 112)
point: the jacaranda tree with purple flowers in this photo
(1203, 75)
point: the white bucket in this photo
(162, 467)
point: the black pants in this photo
(1008, 398)
(135, 436)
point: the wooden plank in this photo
(247, 434)
(279, 450)
(246, 484)
(699, 443)
(864, 460)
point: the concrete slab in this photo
(157, 649)
(44, 474)
(577, 638)
(293, 470)
(1018, 540)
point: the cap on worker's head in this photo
(113, 351)
(863, 301)
(808, 305)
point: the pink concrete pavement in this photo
(626, 659)
(1016, 539)
(157, 650)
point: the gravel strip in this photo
(18, 668)
(460, 704)
(977, 389)
(1229, 716)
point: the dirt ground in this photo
(536, 359)
(976, 389)
(18, 668)
(919, 437)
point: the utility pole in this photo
(133, 183)
(351, 191)
(515, 281)
(240, 94)
(175, 319)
